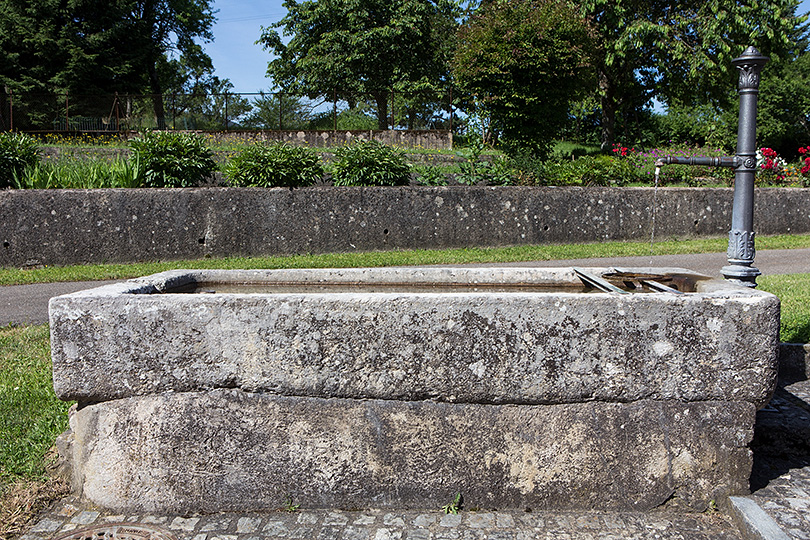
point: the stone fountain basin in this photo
(399, 387)
(542, 342)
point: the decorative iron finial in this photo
(750, 64)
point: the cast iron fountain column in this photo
(741, 237)
(741, 250)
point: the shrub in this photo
(644, 165)
(168, 159)
(428, 175)
(370, 163)
(276, 165)
(17, 151)
(528, 169)
(474, 170)
(590, 171)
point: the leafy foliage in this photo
(428, 175)
(278, 111)
(361, 117)
(455, 505)
(80, 174)
(588, 171)
(679, 53)
(361, 47)
(87, 47)
(168, 159)
(524, 62)
(276, 165)
(474, 170)
(701, 124)
(209, 105)
(17, 151)
(783, 119)
(370, 163)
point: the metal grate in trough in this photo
(118, 531)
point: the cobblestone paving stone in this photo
(71, 515)
(786, 498)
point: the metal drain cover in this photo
(119, 531)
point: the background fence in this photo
(38, 112)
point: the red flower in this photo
(769, 153)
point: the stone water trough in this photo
(204, 391)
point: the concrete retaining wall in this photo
(57, 227)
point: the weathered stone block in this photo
(719, 343)
(231, 450)
(398, 388)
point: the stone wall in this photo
(431, 139)
(57, 227)
(434, 139)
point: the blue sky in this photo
(238, 58)
(233, 51)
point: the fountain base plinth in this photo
(232, 450)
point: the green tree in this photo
(163, 27)
(278, 111)
(49, 46)
(525, 61)
(92, 46)
(679, 51)
(783, 116)
(358, 48)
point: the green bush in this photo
(590, 171)
(428, 175)
(370, 163)
(528, 169)
(168, 159)
(474, 170)
(276, 165)
(17, 151)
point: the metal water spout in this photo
(741, 250)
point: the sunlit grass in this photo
(16, 276)
(794, 292)
(30, 415)
(30, 420)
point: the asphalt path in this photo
(28, 304)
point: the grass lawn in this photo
(16, 276)
(31, 417)
(794, 292)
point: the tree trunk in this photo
(608, 102)
(157, 96)
(382, 110)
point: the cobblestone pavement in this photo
(70, 517)
(781, 476)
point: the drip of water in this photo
(654, 209)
